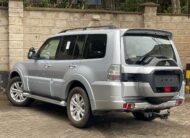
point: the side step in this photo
(44, 99)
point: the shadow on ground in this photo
(51, 121)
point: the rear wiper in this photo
(147, 58)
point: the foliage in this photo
(3, 3)
(50, 3)
(166, 6)
(119, 5)
(185, 6)
(37, 3)
(124, 5)
(133, 5)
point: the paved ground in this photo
(42, 120)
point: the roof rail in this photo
(91, 27)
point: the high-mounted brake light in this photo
(114, 72)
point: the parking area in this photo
(42, 120)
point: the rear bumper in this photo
(145, 106)
(137, 105)
(112, 95)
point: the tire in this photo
(78, 108)
(144, 115)
(15, 93)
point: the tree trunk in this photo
(109, 4)
(176, 6)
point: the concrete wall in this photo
(4, 62)
(38, 25)
(22, 28)
(180, 27)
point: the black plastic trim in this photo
(148, 32)
(149, 78)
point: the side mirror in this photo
(32, 53)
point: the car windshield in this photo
(138, 47)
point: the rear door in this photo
(145, 54)
(66, 62)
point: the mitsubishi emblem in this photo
(167, 63)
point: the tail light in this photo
(114, 72)
(128, 106)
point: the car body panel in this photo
(55, 80)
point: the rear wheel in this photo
(144, 115)
(15, 93)
(78, 108)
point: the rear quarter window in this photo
(95, 46)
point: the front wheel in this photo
(15, 93)
(78, 108)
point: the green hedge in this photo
(46, 3)
(119, 5)
(3, 3)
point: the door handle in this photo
(72, 66)
(47, 65)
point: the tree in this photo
(176, 6)
(108, 4)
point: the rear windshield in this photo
(137, 47)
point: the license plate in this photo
(166, 80)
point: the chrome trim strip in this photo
(58, 80)
(39, 78)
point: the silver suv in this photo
(98, 69)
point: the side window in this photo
(79, 47)
(49, 49)
(95, 46)
(67, 47)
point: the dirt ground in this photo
(42, 120)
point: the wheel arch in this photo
(85, 85)
(18, 73)
(14, 74)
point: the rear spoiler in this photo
(148, 32)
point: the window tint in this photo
(79, 47)
(138, 47)
(95, 46)
(67, 47)
(49, 49)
